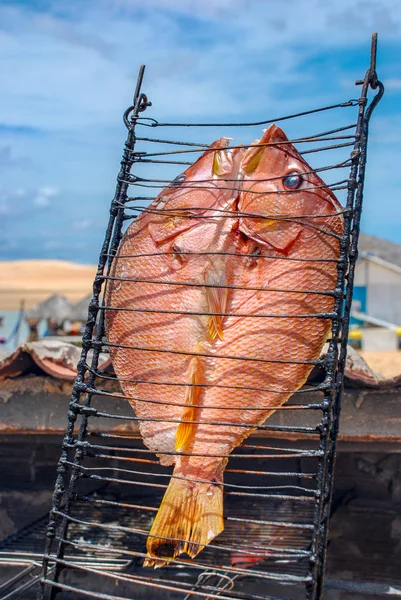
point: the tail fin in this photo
(189, 517)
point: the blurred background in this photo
(69, 71)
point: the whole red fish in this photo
(213, 338)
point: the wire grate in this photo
(276, 496)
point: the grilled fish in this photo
(223, 280)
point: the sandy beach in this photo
(35, 280)
(387, 363)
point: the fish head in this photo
(201, 191)
(282, 198)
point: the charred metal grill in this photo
(277, 495)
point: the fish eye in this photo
(292, 181)
(178, 180)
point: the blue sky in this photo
(68, 70)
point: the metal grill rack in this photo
(277, 492)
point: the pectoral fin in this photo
(216, 298)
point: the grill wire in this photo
(277, 493)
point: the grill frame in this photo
(70, 468)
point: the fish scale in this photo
(220, 350)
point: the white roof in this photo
(379, 261)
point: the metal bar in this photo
(218, 286)
(365, 588)
(151, 155)
(205, 354)
(325, 315)
(354, 200)
(234, 519)
(294, 451)
(155, 462)
(153, 584)
(298, 454)
(110, 242)
(99, 414)
(210, 253)
(161, 486)
(314, 406)
(194, 480)
(296, 140)
(202, 566)
(102, 596)
(17, 577)
(304, 390)
(308, 503)
(154, 123)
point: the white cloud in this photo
(10, 199)
(53, 244)
(293, 23)
(41, 201)
(392, 84)
(8, 245)
(5, 208)
(82, 224)
(67, 32)
(8, 160)
(293, 19)
(73, 73)
(44, 196)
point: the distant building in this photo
(377, 287)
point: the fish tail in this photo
(189, 517)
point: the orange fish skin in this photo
(159, 235)
(200, 348)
